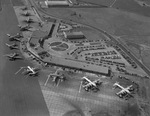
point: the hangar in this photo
(56, 3)
(74, 35)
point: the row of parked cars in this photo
(80, 49)
(104, 53)
(128, 59)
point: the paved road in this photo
(18, 96)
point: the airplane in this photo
(93, 83)
(15, 37)
(87, 84)
(56, 78)
(29, 20)
(26, 14)
(12, 46)
(25, 28)
(30, 71)
(123, 91)
(13, 57)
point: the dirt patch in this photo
(132, 110)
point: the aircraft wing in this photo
(124, 91)
(54, 78)
(7, 44)
(88, 85)
(31, 69)
(14, 58)
(13, 47)
(7, 55)
(120, 92)
(129, 87)
(96, 81)
(33, 73)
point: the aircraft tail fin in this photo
(19, 26)
(7, 44)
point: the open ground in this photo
(24, 97)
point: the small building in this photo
(56, 3)
(74, 35)
(51, 30)
(43, 5)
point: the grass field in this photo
(111, 20)
(93, 35)
(64, 45)
(132, 6)
(135, 48)
(58, 49)
(146, 57)
(147, 2)
(55, 43)
(138, 41)
(143, 39)
(100, 2)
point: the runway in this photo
(18, 96)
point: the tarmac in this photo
(18, 96)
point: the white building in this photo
(56, 3)
(74, 35)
